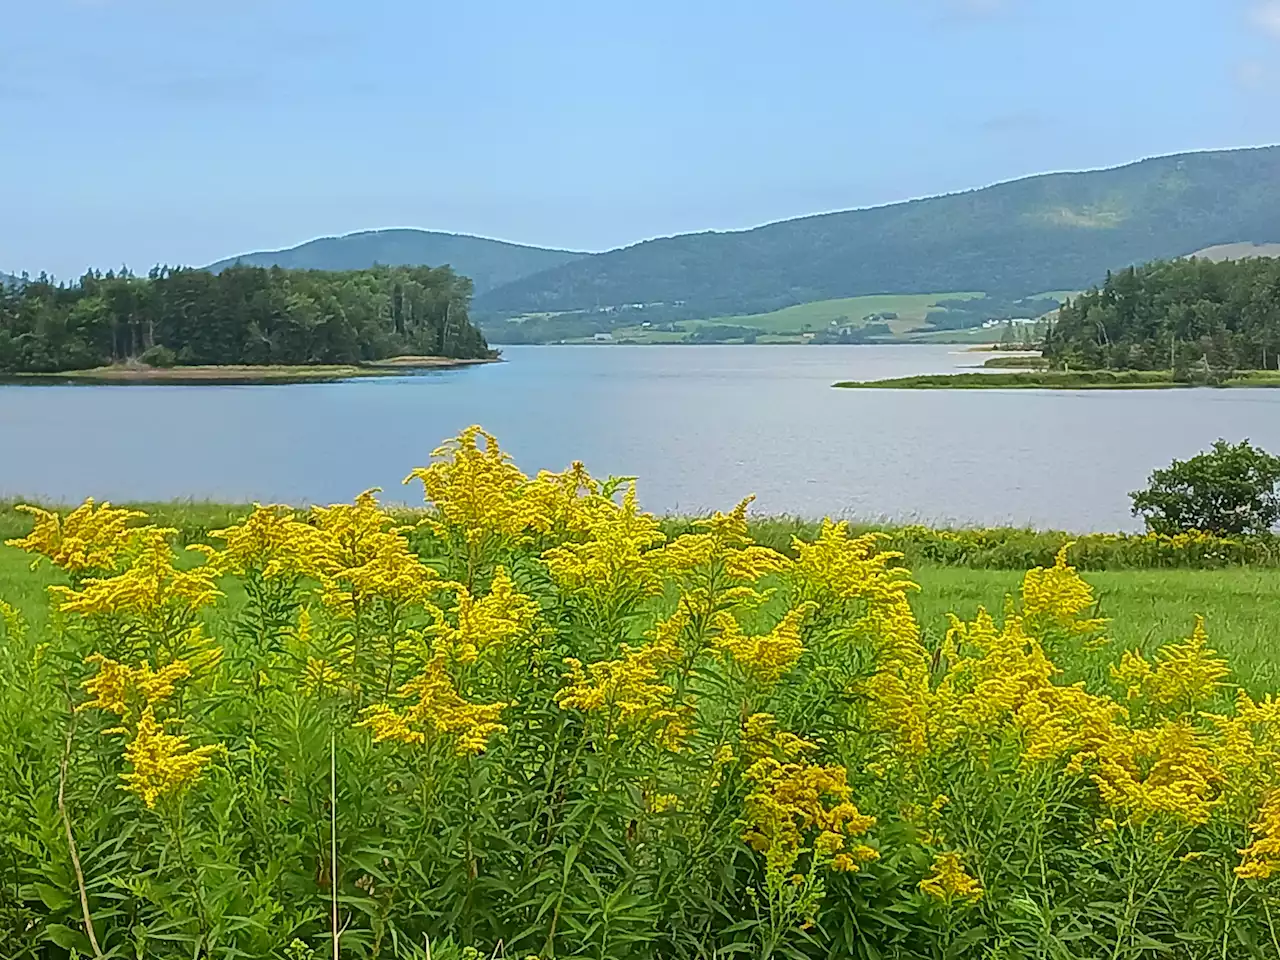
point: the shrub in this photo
(159, 356)
(1228, 491)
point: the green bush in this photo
(1228, 491)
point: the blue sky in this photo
(145, 131)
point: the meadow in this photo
(532, 720)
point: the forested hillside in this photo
(1185, 314)
(489, 263)
(243, 315)
(1053, 232)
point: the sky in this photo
(137, 132)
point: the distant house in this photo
(1014, 322)
(603, 338)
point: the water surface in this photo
(701, 426)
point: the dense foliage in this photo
(1230, 490)
(536, 723)
(1194, 316)
(243, 315)
(488, 263)
(1055, 232)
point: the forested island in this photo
(1192, 317)
(241, 316)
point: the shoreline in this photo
(1057, 380)
(240, 374)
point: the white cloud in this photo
(1266, 14)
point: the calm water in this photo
(701, 427)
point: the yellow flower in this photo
(789, 803)
(359, 556)
(948, 881)
(1053, 599)
(1261, 859)
(1187, 672)
(162, 762)
(629, 694)
(490, 622)
(619, 560)
(662, 803)
(272, 541)
(764, 658)
(109, 686)
(476, 489)
(1168, 769)
(90, 538)
(150, 589)
(438, 711)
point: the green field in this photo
(1147, 607)
(912, 309)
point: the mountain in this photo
(1059, 231)
(489, 263)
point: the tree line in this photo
(241, 315)
(1185, 315)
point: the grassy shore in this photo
(241, 373)
(1151, 587)
(1059, 380)
(1147, 607)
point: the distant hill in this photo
(489, 263)
(1053, 232)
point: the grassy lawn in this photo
(1147, 608)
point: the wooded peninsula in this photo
(247, 316)
(1179, 315)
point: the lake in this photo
(701, 426)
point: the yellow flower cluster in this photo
(114, 681)
(273, 542)
(949, 882)
(475, 488)
(150, 588)
(1261, 859)
(767, 657)
(618, 560)
(92, 538)
(438, 711)
(162, 763)
(723, 541)
(500, 617)
(1185, 674)
(1167, 769)
(362, 558)
(1053, 599)
(629, 694)
(795, 805)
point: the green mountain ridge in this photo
(488, 263)
(1058, 231)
